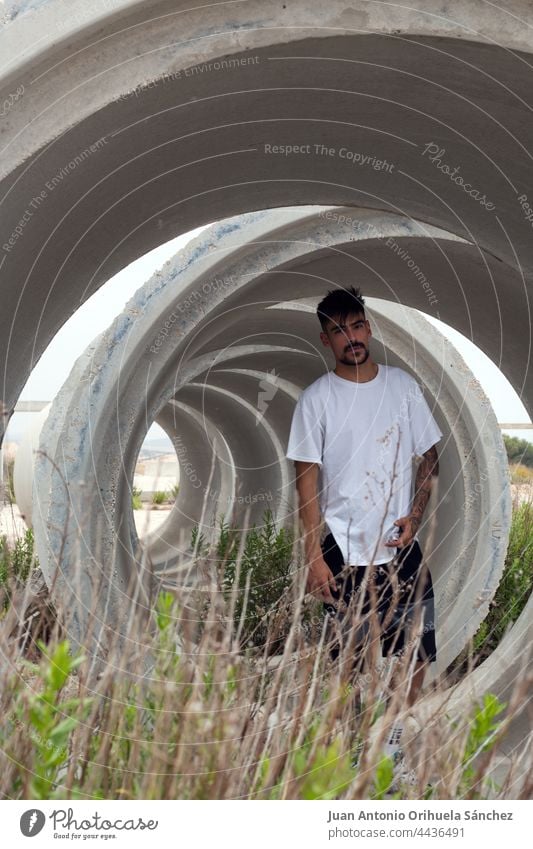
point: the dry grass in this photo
(521, 474)
(180, 709)
(181, 712)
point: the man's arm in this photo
(428, 468)
(320, 579)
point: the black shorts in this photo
(403, 597)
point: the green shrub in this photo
(49, 719)
(160, 497)
(136, 501)
(16, 563)
(198, 542)
(516, 583)
(513, 590)
(518, 450)
(262, 581)
(482, 737)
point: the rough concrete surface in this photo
(127, 123)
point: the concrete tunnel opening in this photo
(257, 342)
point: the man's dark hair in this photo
(339, 304)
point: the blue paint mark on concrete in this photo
(17, 8)
(227, 227)
(120, 327)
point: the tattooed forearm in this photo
(428, 469)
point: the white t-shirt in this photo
(364, 436)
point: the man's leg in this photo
(349, 629)
(408, 614)
(416, 682)
(411, 630)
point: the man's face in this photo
(349, 339)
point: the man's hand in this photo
(320, 580)
(408, 526)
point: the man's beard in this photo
(351, 362)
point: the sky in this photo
(99, 311)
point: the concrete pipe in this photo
(209, 400)
(127, 123)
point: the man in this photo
(354, 434)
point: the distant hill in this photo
(156, 447)
(151, 448)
